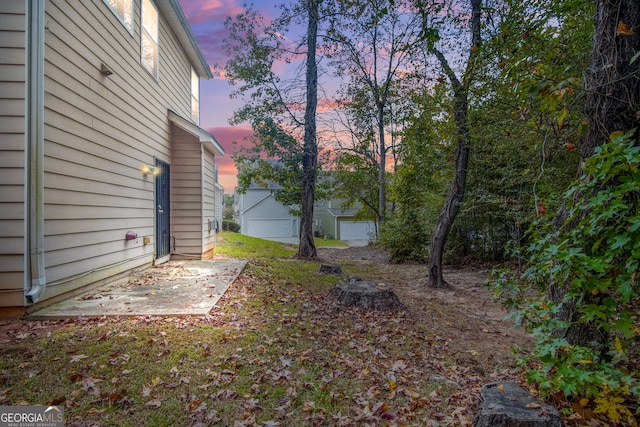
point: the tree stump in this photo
(505, 404)
(330, 269)
(355, 292)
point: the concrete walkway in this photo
(169, 289)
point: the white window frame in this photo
(144, 33)
(121, 18)
(195, 96)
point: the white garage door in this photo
(359, 230)
(270, 228)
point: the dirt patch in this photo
(465, 314)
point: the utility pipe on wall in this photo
(35, 281)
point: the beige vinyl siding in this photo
(208, 204)
(12, 151)
(219, 204)
(99, 131)
(186, 194)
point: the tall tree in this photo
(371, 44)
(422, 175)
(612, 105)
(613, 78)
(460, 88)
(525, 121)
(256, 48)
(584, 263)
(307, 248)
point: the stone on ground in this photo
(505, 404)
(330, 269)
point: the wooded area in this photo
(494, 130)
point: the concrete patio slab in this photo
(169, 289)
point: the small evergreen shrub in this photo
(228, 225)
(406, 237)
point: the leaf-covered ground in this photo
(275, 352)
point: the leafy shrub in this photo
(406, 237)
(594, 257)
(228, 225)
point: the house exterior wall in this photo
(348, 229)
(193, 188)
(186, 194)
(219, 205)
(330, 220)
(324, 223)
(98, 133)
(12, 160)
(208, 232)
(261, 215)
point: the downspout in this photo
(35, 282)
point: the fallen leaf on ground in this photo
(155, 403)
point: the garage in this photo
(358, 230)
(271, 228)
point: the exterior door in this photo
(163, 232)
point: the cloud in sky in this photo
(207, 23)
(226, 136)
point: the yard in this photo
(274, 352)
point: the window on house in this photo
(123, 9)
(195, 96)
(150, 40)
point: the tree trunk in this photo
(307, 248)
(612, 104)
(382, 167)
(613, 83)
(456, 193)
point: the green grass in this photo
(240, 246)
(320, 242)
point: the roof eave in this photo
(203, 136)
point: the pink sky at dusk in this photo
(206, 18)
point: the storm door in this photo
(163, 233)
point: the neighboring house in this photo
(104, 168)
(261, 215)
(332, 221)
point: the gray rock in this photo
(330, 269)
(505, 404)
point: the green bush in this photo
(228, 225)
(594, 258)
(407, 237)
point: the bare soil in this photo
(466, 315)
